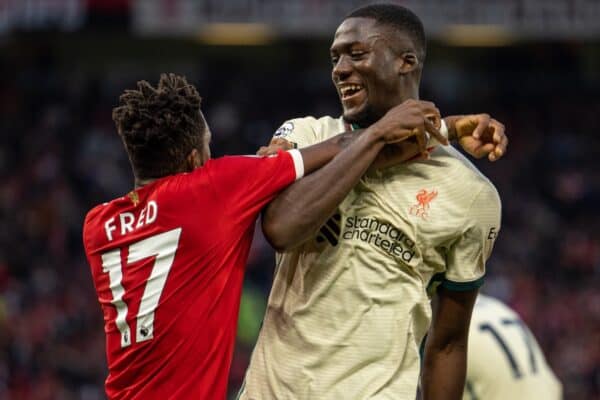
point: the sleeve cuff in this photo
(462, 286)
(432, 141)
(298, 162)
(444, 129)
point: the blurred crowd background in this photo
(63, 64)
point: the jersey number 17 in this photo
(163, 246)
(527, 339)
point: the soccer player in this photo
(504, 359)
(350, 305)
(168, 258)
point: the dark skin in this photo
(445, 363)
(362, 56)
(385, 65)
(374, 70)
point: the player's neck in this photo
(186, 167)
(412, 94)
(138, 183)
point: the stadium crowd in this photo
(55, 130)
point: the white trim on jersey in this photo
(298, 162)
(444, 129)
(432, 141)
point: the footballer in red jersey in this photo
(180, 242)
(168, 262)
(168, 258)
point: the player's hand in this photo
(411, 119)
(480, 135)
(274, 146)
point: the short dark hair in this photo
(399, 18)
(160, 126)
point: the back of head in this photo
(398, 18)
(160, 126)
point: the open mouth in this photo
(349, 91)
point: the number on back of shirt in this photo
(163, 246)
(496, 332)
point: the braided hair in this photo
(160, 126)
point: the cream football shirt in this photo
(349, 308)
(504, 359)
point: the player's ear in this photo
(406, 63)
(193, 160)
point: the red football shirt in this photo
(168, 261)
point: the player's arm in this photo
(445, 362)
(298, 212)
(444, 365)
(391, 154)
(478, 134)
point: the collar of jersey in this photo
(351, 127)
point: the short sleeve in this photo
(466, 259)
(247, 183)
(298, 131)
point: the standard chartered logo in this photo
(370, 230)
(380, 234)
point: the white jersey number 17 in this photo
(163, 246)
(527, 340)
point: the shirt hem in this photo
(462, 286)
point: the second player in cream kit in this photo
(349, 309)
(504, 359)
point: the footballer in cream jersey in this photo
(349, 309)
(504, 359)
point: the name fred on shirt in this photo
(128, 222)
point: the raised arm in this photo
(299, 211)
(478, 134)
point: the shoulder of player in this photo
(224, 164)
(94, 217)
(469, 175)
(461, 164)
(239, 167)
(487, 196)
(312, 121)
(96, 212)
(113, 207)
(329, 124)
(321, 127)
